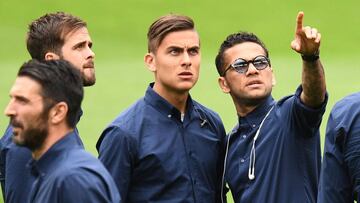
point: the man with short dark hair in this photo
(44, 107)
(273, 154)
(167, 147)
(52, 36)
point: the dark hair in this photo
(47, 33)
(60, 82)
(232, 40)
(164, 25)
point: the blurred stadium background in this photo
(118, 30)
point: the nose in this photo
(90, 53)
(186, 60)
(252, 70)
(10, 110)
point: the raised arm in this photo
(307, 43)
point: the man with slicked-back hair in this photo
(167, 147)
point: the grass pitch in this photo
(118, 30)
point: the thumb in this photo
(295, 45)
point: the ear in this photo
(58, 113)
(223, 85)
(149, 59)
(51, 56)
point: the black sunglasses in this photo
(241, 65)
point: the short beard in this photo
(86, 81)
(34, 138)
(35, 135)
(251, 101)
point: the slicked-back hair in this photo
(165, 25)
(232, 40)
(60, 82)
(47, 33)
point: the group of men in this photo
(167, 147)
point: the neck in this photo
(176, 98)
(244, 108)
(54, 135)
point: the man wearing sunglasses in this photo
(273, 154)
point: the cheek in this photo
(196, 61)
(168, 67)
(75, 58)
(197, 70)
(269, 79)
(26, 121)
(196, 64)
(236, 84)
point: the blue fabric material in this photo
(155, 157)
(15, 176)
(340, 173)
(287, 163)
(67, 173)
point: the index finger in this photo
(299, 22)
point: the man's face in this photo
(77, 50)
(176, 62)
(26, 113)
(252, 86)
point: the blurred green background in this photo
(118, 30)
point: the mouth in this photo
(15, 124)
(15, 132)
(89, 64)
(16, 127)
(185, 75)
(254, 83)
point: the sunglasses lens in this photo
(260, 62)
(240, 65)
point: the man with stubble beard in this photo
(52, 36)
(44, 106)
(273, 153)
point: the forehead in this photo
(246, 50)
(26, 87)
(76, 36)
(185, 39)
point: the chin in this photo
(185, 87)
(17, 140)
(259, 97)
(89, 82)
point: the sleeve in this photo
(352, 155)
(84, 186)
(116, 152)
(225, 186)
(334, 185)
(308, 119)
(222, 189)
(4, 142)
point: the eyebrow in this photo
(19, 97)
(175, 47)
(194, 47)
(182, 48)
(80, 44)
